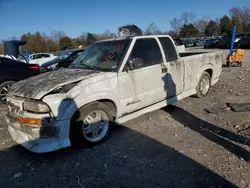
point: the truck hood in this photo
(38, 86)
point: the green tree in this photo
(52, 45)
(247, 28)
(1, 49)
(39, 43)
(189, 30)
(225, 25)
(90, 38)
(236, 22)
(65, 43)
(243, 14)
(212, 28)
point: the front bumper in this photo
(42, 139)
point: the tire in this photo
(202, 92)
(81, 131)
(236, 45)
(227, 45)
(4, 88)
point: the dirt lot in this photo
(178, 146)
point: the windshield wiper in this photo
(92, 68)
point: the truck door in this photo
(141, 86)
(172, 68)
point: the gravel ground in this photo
(179, 146)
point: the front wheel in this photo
(90, 125)
(4, 89)
(204, 85)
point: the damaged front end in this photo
(28, 128)
(39, 125)
(41, 107)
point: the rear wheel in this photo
(91, 125)
(4, 89)
(204, 85)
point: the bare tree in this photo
(187, 17)
(152, 30)
(172, 33)
(242, 13)
(57, 35)
(217, 20)
(235, 11)
(201, 24)
(245, 15)
(176, 24)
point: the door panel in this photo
(172, 74)
(140, 88)
(172, 68)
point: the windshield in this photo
(64, 55)
(103, 56)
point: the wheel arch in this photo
(70, 108)
(206, 68)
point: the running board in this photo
(155, 106)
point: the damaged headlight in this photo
(36, 106)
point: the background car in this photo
(244, 41)
(188, 43)
(225, 41)
(63, 60)
(12, 71)
(39, 58)
(210, 43)
(198, 42)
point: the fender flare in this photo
(74, 104)
(203, 69)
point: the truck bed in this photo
(185, 54)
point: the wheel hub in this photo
(95, 126)
(204, 85)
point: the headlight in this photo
(36, 106)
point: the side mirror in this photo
(135, 63)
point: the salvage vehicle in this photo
(210, 43)
(244, 42)
(188, 43)
(225, 41)
(113, 80)
(12, 71)
(61, 61)
(39, 58)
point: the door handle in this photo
(164, 70)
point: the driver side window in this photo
(148, 51)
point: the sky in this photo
(77, 16)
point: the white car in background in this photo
(39, 58)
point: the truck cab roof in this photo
(134, 37)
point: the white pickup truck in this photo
(111, 81)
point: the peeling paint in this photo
(38, 86)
